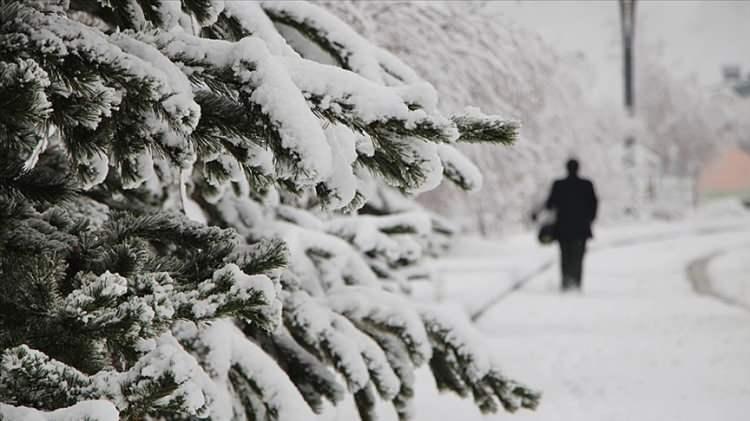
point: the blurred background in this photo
(653, 98)
(558, 66)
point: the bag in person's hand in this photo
(547, 233)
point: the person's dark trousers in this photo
(571, 262)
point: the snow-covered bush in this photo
(509, 67)
(195, 223)
(687, 127)
(506, 67)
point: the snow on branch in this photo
(139, 16)
(109, 304)
(323, 261)
(312, 377)
(166, 380)
(459, 169)
(91, 410)
(458, 364)
(384, 311)
(261, 304)
(24, 379)
(232, 292)
(373, 233)
(24, 81)
(341, 186)
(333, 337)
(263, 82)
(366, 105)
(351, 50)
(240, 369)
(240, 19)
(135, 99)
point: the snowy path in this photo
(697, 270)
(639, 343)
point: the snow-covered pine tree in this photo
(508, 68)
(193, 216)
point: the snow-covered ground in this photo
(638, 344)
(730, 274)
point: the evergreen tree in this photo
(194, 223)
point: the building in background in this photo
(727, 175)
(733, 77)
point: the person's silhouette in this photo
(575, 203)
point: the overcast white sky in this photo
(698, 37)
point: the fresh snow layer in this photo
(730, 274)
(638, 343)
(99, 410)
(251, 16)
(358, 50)
(458, 165)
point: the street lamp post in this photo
(627, 24)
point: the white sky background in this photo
(697, 37)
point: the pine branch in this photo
(43, 184)
(203, 10)
(310, 375)
(261, 257)
(100, 301)
(315, 34)
(465, 371)
(459, 169)
(226, 27)
(224, 118)
(30, 378)
(164, 227)
(478, 128)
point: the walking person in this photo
(575, 203)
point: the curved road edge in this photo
(697, 274)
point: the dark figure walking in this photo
(574, 200)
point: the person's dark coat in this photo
(574, 200)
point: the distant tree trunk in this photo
(627, 23)
(481, 223)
